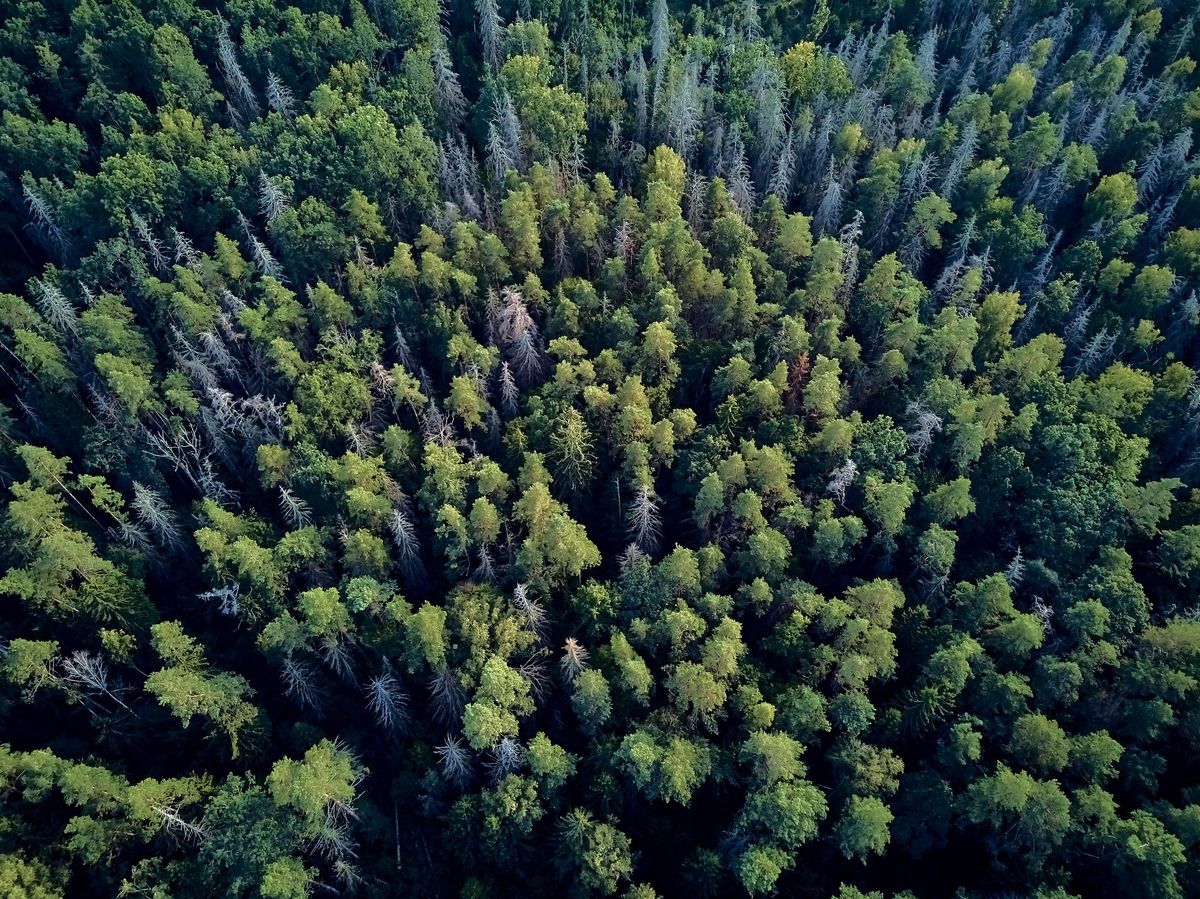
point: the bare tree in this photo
(264, 261)
(446, 696)
(848, 238)
(643, 521)
(87, 671)
(924, 424)
(227, 597)
(387, 701)
(271, 198)
(1043, 612)
(964, 154)
(510, 393)
(54, 305)
(843, 477)
(508, 757)
(639, 81)
(455, 759)
(737, 174)
(171, 819)
(44, 221)
(828, 217)
(1096, 352)
(533, 670)
(407, 543)
(491, 30)
(335, 653)
(751, 21)
(500, 159)
(156, 513)
(1015, 571)
(231, 70)
(279, 96)
(295, 509)
(660, 32)
(151, 243)
(447, 95)
(784, 175)
(183, 250)
(518, 334)
(298, 684)
(533, 611)
(508, 125)
(770, 125)
(574, 659)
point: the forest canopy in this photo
(522, 448)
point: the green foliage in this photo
(862, 829)
(567, 449)
(188, 689)
(503, 694)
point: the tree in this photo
(521, 230)
(1039, 744)
(950, 501)
(554, 115)
(503, 694)
(822, 396)
(27, 879)
(591, 700)
(187, 688)
(573, 457)
(1112, 199)
(863, 828)
(1035, 814)
(773, 757)
(321, 788)
(670, 770)
(785, 816)
(794, 240)
(598, 854)
(923, 230)
(1016, 90)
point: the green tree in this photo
(188, 688)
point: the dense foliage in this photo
(555, 447)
